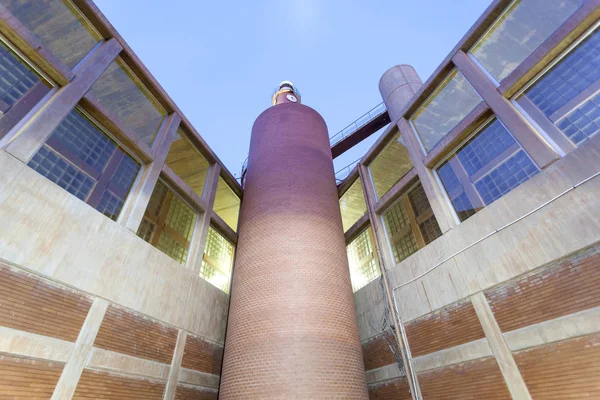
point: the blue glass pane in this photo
(85, 140)
(58, 170)
(584, 122)
(569, 77)
(486, 146)
(510, 174)
(484, 164)
(15, 78)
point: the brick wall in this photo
(31, 304)
(395, 389)
(473, 380)
(202, 356)
(128, 333)
(22, 379)
(187, 393)
(449, 327)
(565, 287)
(377, 353)
(567, 369)
(100, 385)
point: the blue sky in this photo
(221, 60)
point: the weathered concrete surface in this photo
(50, 232)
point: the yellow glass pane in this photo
(390, 166)
(59, 26)
(352, 205)
(188, 163)
(227, 204)
(524, 26)
(217, 260)
(362, 260)
(451, 102)
(120, 92)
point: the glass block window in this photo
(59, 25)
(449, 104)
(168, 223)
(217, 260)
(16, 78)
(187, 163)
(352, 205)
(569, 93)
(83, 160)
(362, 258)
(227, 204)
(410, 223)
(517, 33)
(488, 166)
(121, 92)
(390, 166)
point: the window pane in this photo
(572, 75)
(188, 163)
(227, 204)
(487, 167)
(58, 25)
(121, 93)
(81, 159)
(168, 223)
(54, 167)
(390, 166)
(362, 260)
(352, 205)
(217, 260)
(517, 33)
(451, 102)
(16, 79)
(428, 225)
(399, 231)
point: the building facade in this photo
(479, 203)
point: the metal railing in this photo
(341, 174)
(363, 120)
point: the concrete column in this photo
(198, 242)
(510, 371)
(25, 139)
(532, 142)
(386, 262)
(175, 371)
(440, 206)
(397, 86)
(69, 378)
(135, 206)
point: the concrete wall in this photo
(460, 312)
(134, 313)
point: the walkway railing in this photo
(341, 174)
(363, 120)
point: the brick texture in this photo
(22, 378)
(31, 304)
(562, 288)
(188, 393)
(100, 385)
(396, 389)
(292, 329)
(474, 380)
(128, 333)
(453, 325)
(202, 356)
(377, 353)
(563, 370)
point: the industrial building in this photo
(459, 258)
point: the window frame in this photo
(546, 125)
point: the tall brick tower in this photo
(292, 330)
